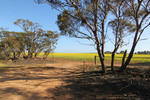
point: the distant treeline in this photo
(122, 52)
(142, 52)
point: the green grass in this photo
(90, 56)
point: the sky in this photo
(11, 10)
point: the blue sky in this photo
(11, 10)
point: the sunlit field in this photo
(90, 56)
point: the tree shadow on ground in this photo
(94, 86)
(141, 64)
(25, 73)
(9, 67)
(23, 94)
(84, 86)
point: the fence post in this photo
(95, 60)
(53, 57)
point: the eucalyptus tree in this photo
(50, 40)
(84, 19)
(76, 16)
(119, 25)
(11, 43)
(131, 16)
(5, 45)
(30, 29)
(138, 13)
(46, 42)
(35, 39)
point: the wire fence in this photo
(92, 58)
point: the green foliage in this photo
(36, 39)
(10, 43)
(33, 40)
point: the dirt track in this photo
(62, 81)
(34, 83)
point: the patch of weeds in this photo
(83, 68)
(93, 68)
(89, 68)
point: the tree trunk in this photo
(31, 55)
(112, 61)
(18, 54)
(103, 49)
(132, 50)
(14, 55)
(46, 56)
(28, 53)
(35, 55)
(103, 37)
(100, 52)
(124, 56)
(123, 67)
(101, 60)
(113, 57)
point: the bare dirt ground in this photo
(63, 80)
